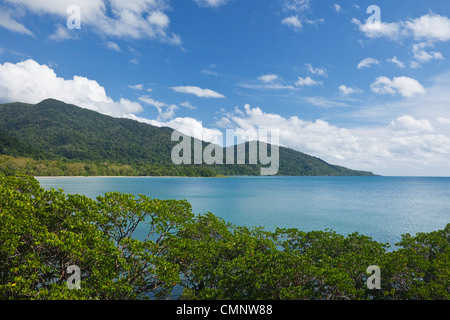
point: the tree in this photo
(43, 232)
(136, 247)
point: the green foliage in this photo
(43, 232)
(64, 139)
(130, 247)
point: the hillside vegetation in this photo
(55, 138)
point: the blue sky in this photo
(336, 86)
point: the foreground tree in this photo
(128, 247)
(43, 232)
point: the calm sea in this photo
(383, 208)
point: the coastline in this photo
(68, 177)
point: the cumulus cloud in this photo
(443, 120)
(188, 126)
(411, 125)
(268, 78)
(117, 18)
(199, 92)
(308, 82)
(31, 82)
(349, 90)
(407, 87)
(403, 143)
(376, 30)
(427, 29)
(431, 27)
(421, 55)
(293, 22)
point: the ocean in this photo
(383, 208)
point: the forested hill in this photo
(55, 135)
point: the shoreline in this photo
(68, 177)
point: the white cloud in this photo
(421, 55)
(270, 82)
(411, 125)
(62, 33)
(134, 61)
(211, 73)
(6, 21)
(169, 113)
(296, 5)
(431, 27)
(117, 18)
(443, 120)
(397, 62)
(404, 146)
(307, 82)
(268, 78)
(293, 8)
(324, 102)
(434, 103)
(270, 85)
(159, 19)
(165, 111)
(91, 9)
(137, 87)
(211, 3)
(349, 90)
(187, 126)
(318, 71)
(407, 87)
(113, 46)
(366, 63)
(152, 102)
(199, 92)
(381, 29)
(188, 105)
(312, 21)
(337, 7)
(293, 22)
(31, 82)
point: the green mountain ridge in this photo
(55, 131)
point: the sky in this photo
(362, 84)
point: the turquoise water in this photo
(383, 208)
